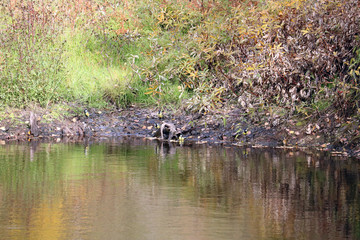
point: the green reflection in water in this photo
(137, 189)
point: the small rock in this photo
(309, 129)
(276, 122)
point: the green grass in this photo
(89, 76)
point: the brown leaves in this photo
(289, 49)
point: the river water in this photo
(141, 189)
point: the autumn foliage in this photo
(301, 55)
(288, 53)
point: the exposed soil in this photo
(228, 127)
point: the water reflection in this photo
(137, 189)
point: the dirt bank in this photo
(230, 126)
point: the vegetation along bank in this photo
(285, 70)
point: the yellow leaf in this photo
(304, 32)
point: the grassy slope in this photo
(292, 54)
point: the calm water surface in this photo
(137, 189)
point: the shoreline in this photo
(221, 128)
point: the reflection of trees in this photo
(288, 186)
(289, 193)
(33, 189)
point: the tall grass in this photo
(32, 67)
(93, 52)
(92, 75)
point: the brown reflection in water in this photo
(142, 190)
(296, 194)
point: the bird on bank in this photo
(86, 112)
(181, 139)
(156, 132)
(160, 114)
(245, 132)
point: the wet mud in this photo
(226, 128)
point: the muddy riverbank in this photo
(230, 127)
